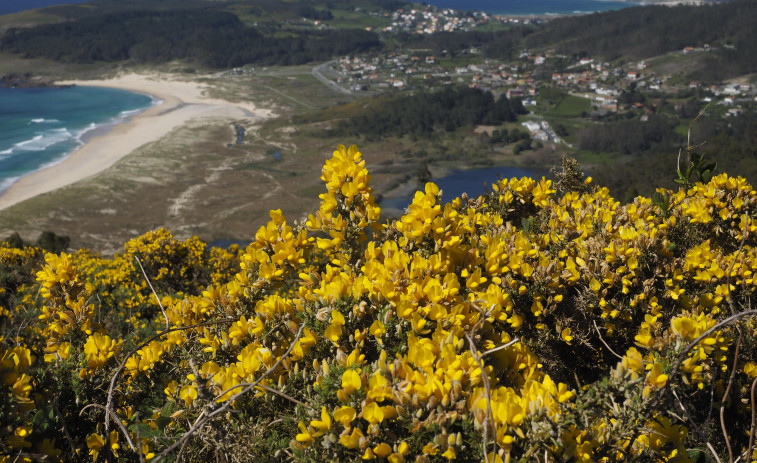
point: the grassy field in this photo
(570, 106)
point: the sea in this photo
(14, 6)
(533, 7)
(503, 7)
(41, 126)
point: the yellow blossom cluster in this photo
(524, 324)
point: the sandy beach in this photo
(179, 102)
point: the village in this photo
(605, 86)
(606, 89)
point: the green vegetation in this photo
(639, 33)
(210, 37)
(571, 106)
(424, 113)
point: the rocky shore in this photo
(27, 80)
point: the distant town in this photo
(599, 83)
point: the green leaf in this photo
(163, 422)
(144, 430)
(699, 456)
(43, 419)
(168, 408)
(527, 223)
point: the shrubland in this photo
(540, 321)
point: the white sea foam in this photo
(81, 132)
(46, 142)
(41, 141)
(129, 113)
(7, 182)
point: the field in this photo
(570, 106)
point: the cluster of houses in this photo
(541, 131)
(430, 19)
(400, 70)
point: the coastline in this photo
(177, 103)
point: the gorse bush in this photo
(521, 325)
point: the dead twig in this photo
(696, 427)
(754, 422)
(603, 341)
(286, 396)
(725, 399)
(65, 428)
(477, 356)
(165, 315)
(117, 420)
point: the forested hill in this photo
(212, 38)
(639, 33)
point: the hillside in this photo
(641, 33)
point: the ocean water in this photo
(533, 7)
(505, 7)
(41, 126)
(14, 6)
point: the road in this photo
(318, 74)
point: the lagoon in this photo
(474, 182)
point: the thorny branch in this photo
(109, 413)
(246, 387)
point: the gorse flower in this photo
(486, 328)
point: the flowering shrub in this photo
(521, 325)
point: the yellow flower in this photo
(450, 454)
(565, 334)
(304, 436)
(323, 425)
(188, 394)
(345, 415)
(373, 413)
(377, 329)
(351, 381)
(98, 349)
(95, 442)
(351, 440)
(382, 450)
